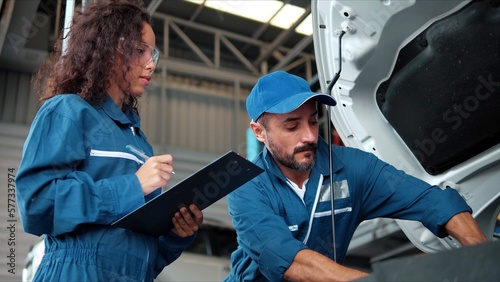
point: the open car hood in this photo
(420, 88)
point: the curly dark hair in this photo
(87, 66)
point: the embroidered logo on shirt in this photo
(341, 191)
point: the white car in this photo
(418, 86)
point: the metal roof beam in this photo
(239, 55)
(5, 19)
(294, 52)
(200, 70)
(153, 5)
(192, 45)
(282, 38)
(282, 54)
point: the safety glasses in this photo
(144, 53)
(147, 54)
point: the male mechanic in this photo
(283, 216)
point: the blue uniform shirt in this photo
(273, 223)
(75, 179)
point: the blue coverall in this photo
(76, 178)
(273, 223)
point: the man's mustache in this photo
(306, 147)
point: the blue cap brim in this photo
(291, 103)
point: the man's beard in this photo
(289, 161)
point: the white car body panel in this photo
(376, 32)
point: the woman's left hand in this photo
(187, 222)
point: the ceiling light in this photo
(263, 11)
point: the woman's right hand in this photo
(155, 173)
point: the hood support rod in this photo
(329, 138)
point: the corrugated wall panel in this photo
(3, 95)
(18, 101)
(23, 99)
(189, 118)
(224, 126)
(33, 106)
(192, 120)
(200, 127)
(149, 106)
(23, 96)
(11, 86)
(244, 121)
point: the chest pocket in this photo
(321, 233)
(341, 191)
(343, 202)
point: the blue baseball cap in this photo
(279, 93)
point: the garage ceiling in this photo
(187, 33)
(264, 46)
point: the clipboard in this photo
(203, 188)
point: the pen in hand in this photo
(139, 153)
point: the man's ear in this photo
(258, 131)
